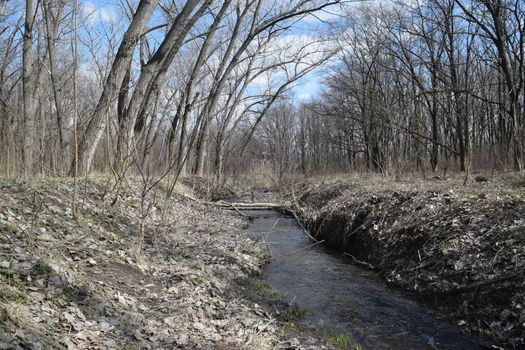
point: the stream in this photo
(344, 298)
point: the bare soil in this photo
(459, 248)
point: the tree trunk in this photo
(89, 142)
(153, 73)
(52, 22)
(3, 4)
(27, 87)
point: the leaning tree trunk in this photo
(153, 73)
(95, 128)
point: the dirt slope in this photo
(75, 285)
(460, 249)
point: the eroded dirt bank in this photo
(75, 285)
(460, 249)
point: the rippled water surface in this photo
(346, 298)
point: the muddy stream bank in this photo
(342, 298)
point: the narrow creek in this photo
(345, 298)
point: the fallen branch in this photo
(234, 207)
(360, 262)
(303, 228)
(263, 233)
(245, 206)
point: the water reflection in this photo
(342, 296)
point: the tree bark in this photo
(153, 73)
(3, 4)
(89, 142)
(52, 22)
(27, 87)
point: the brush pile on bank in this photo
(67, 284)
(462, 249)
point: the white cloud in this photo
(107, 15)
(88, 9)
(307, 89)
(94, 15)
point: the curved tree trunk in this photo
(95, 128)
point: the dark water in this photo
(345, 298)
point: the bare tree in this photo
(95, 128)
(28, 87)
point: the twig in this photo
(268, 232)
(251, 338)
(303, 228)
(267, 246)
(360, 262)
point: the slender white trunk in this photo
(74, 49)
(27, 87)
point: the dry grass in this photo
(501, 184)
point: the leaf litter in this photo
(76, 285)
(460, 249)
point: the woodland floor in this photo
(459, 248)
(75, 285)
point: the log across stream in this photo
(344, 298)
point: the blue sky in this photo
(102, 13)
